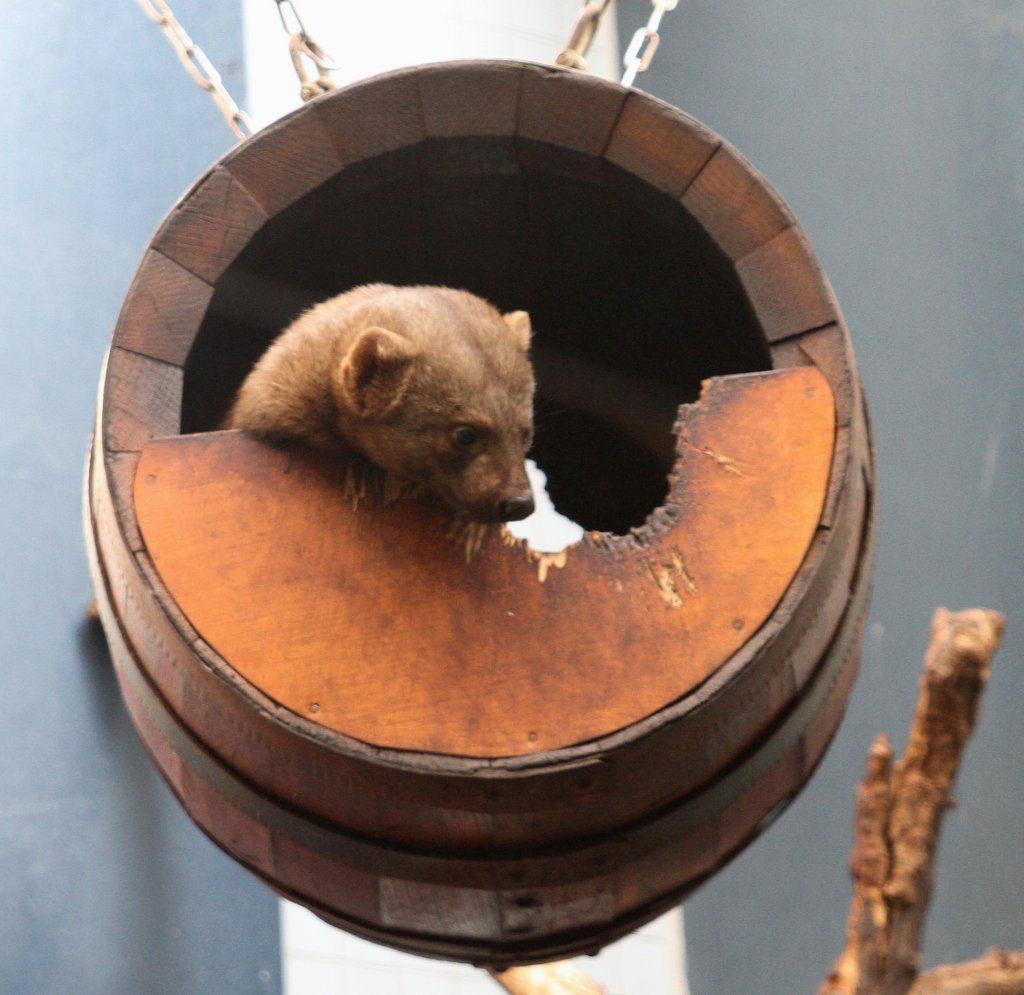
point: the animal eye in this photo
(464, 436)
(527, 438)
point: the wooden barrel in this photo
(525, 755)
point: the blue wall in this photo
(896, 133)
(105, 885)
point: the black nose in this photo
(512, 509)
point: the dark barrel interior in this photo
(632, 303)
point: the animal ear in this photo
(518, 323)
(376, 371)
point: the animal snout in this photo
(515, 507)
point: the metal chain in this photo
(198, 65)
(302, 49)
(645, 42)
(642, 46)
(573, 56)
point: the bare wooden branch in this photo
(561, 977)
(899, 816)
(999, 972)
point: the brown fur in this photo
(399, 374)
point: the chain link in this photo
(645, 42)
(573, 56)
(303, 49)
(198, 65)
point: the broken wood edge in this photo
(899, 812)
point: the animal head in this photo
(444, 398)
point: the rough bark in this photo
(899, 813)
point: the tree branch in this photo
(899, 812)
(561, 977)
(999, 972)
